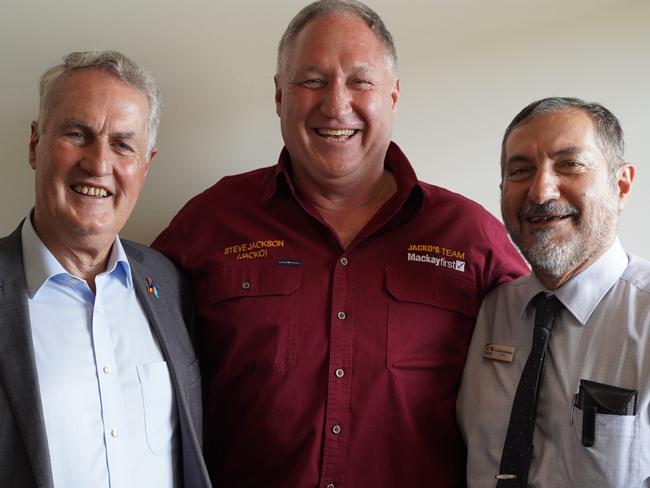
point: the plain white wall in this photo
(467, 67)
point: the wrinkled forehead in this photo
(571, 128)
(95, 86)
(339, 34)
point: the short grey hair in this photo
(609, 134)
(112, 62)
(322, 8)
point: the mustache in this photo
(531, 210)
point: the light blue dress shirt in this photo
(107, 397)
(602, 334)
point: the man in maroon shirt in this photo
(336, 294)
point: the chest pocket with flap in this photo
(252, 314)
(431, 316)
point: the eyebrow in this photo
(75, 122)
(316, 69)
(565, 151)
(123, 135)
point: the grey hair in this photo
(321, 8)
(111, 62)
(609, 134)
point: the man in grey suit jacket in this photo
(99, 384)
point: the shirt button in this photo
(336, 429)
(330, 485)
(107, 370)
(115, 433)
(341, 315)
(246, 285)
(339, 373)
(344, 262)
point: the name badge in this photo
(499, 352)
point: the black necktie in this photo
(518, 447)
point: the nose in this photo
(97, 159)
(336, 101)
(544, 186)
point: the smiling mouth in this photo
(91, 191)
(547, 219)
(336, 134)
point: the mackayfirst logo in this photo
(443, 257)
(445, 263)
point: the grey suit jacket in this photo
(24, 456)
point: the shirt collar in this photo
(40, 265)
(395, 162)
(583, 292)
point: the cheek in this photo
(56, 160)
(512, 201)
(130, 177)
(298, 105)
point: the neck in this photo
(84, 257)
(348, 208)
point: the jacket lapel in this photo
(17, 363)
(165, 319)
(151, 305)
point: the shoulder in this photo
(442, 201)
(510, 294)
(243, 184)
(11, 247)
(148, 257)
(12, 241)
(637, 274)
(230, 196)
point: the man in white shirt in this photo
(587, 422)
(99, 385)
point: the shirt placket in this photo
(337, 417)
(110, 395)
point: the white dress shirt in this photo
(107, 396)
(602, 335)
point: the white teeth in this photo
(336, 132)
(90, 190)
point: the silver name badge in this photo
(499, 352)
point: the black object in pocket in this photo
(597, 398)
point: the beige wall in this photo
(466, 66)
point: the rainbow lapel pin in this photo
(151, 288)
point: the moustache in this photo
(545, 209)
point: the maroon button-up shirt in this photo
(330, 366)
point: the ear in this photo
(394, 95)
(149, 160)
(624, 180)
(278, 95)
(33, 142)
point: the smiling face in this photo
(336, 96)
(90, 160)
(559, 201)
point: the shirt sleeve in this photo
(503, 262)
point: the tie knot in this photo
(546, 308)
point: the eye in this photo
(571, 164)
(122, 146)
(360, 83)
(519, 172)
(75, 135)
(312, 83)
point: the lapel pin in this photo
(151, 288)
